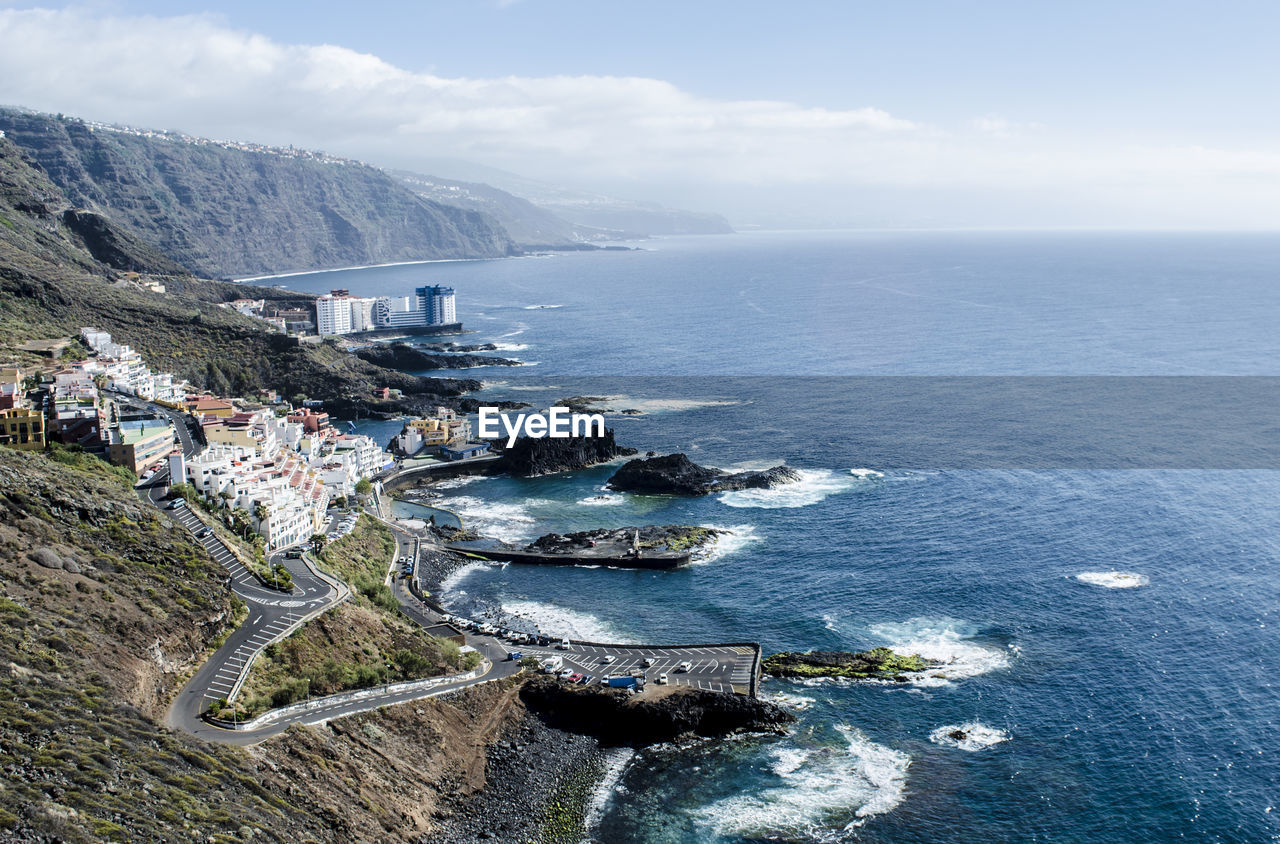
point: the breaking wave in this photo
(733, 539)
(814, 486)
(559, 621)
(947, 641)
(823, 792)
(507, 522)
(975, 736)
(1113, 579)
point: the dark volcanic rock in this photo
(405, 357)
(616, 717)
(676, 474)
(675, 538)
(545, 455)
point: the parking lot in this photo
(719, 668)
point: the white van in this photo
(684, 667)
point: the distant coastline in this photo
(292, 273)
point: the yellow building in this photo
(22, 427)
(226, 435)
(208, 406)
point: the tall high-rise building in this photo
(431, 305)
(333, 314)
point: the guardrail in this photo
(266, 719)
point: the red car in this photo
(573, 678)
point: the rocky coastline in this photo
(544, 456)
(538, 784)
(676, 474)
(659, 714)
(407, 358)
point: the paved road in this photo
(273, 614)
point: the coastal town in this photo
(282, 466)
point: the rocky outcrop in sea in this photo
(617, 717)
(404, 357)
(602, 541)
(877, 662)
(676, 474)
(544, 456)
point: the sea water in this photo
(1106, 637)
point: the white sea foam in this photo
(866, 474)
(450, 585)
(615, 764)
(541, 307)
(814, 486)
(732, 540)
(946, 640)
(455, 483)
(976, 736)
(497, 520)
(510, 347)
(559, 621)
(824, 792)
(1113, 579)
(603, 499)
(797, 703)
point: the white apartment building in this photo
(333, 315)
(339, 313)
(367, 456)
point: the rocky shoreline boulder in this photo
(661, 713)
(875, 663)
(676, 474)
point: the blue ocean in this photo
(1106, 634)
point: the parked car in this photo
(608, 658)
(587, 678)
(202, 533)
(563, 645)
(576, 677)
(177, 503)
(566, 674)
(662, 679)
(684, 666)
(648, 662)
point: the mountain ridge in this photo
(227, 210)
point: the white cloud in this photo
(197, 74)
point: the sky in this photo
(952, 113)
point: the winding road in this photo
(275, 614)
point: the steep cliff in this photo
(223, 210)
(62, 268)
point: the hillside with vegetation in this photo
(223, 210)
(105, 607)
(360, 643)
(51, 284)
